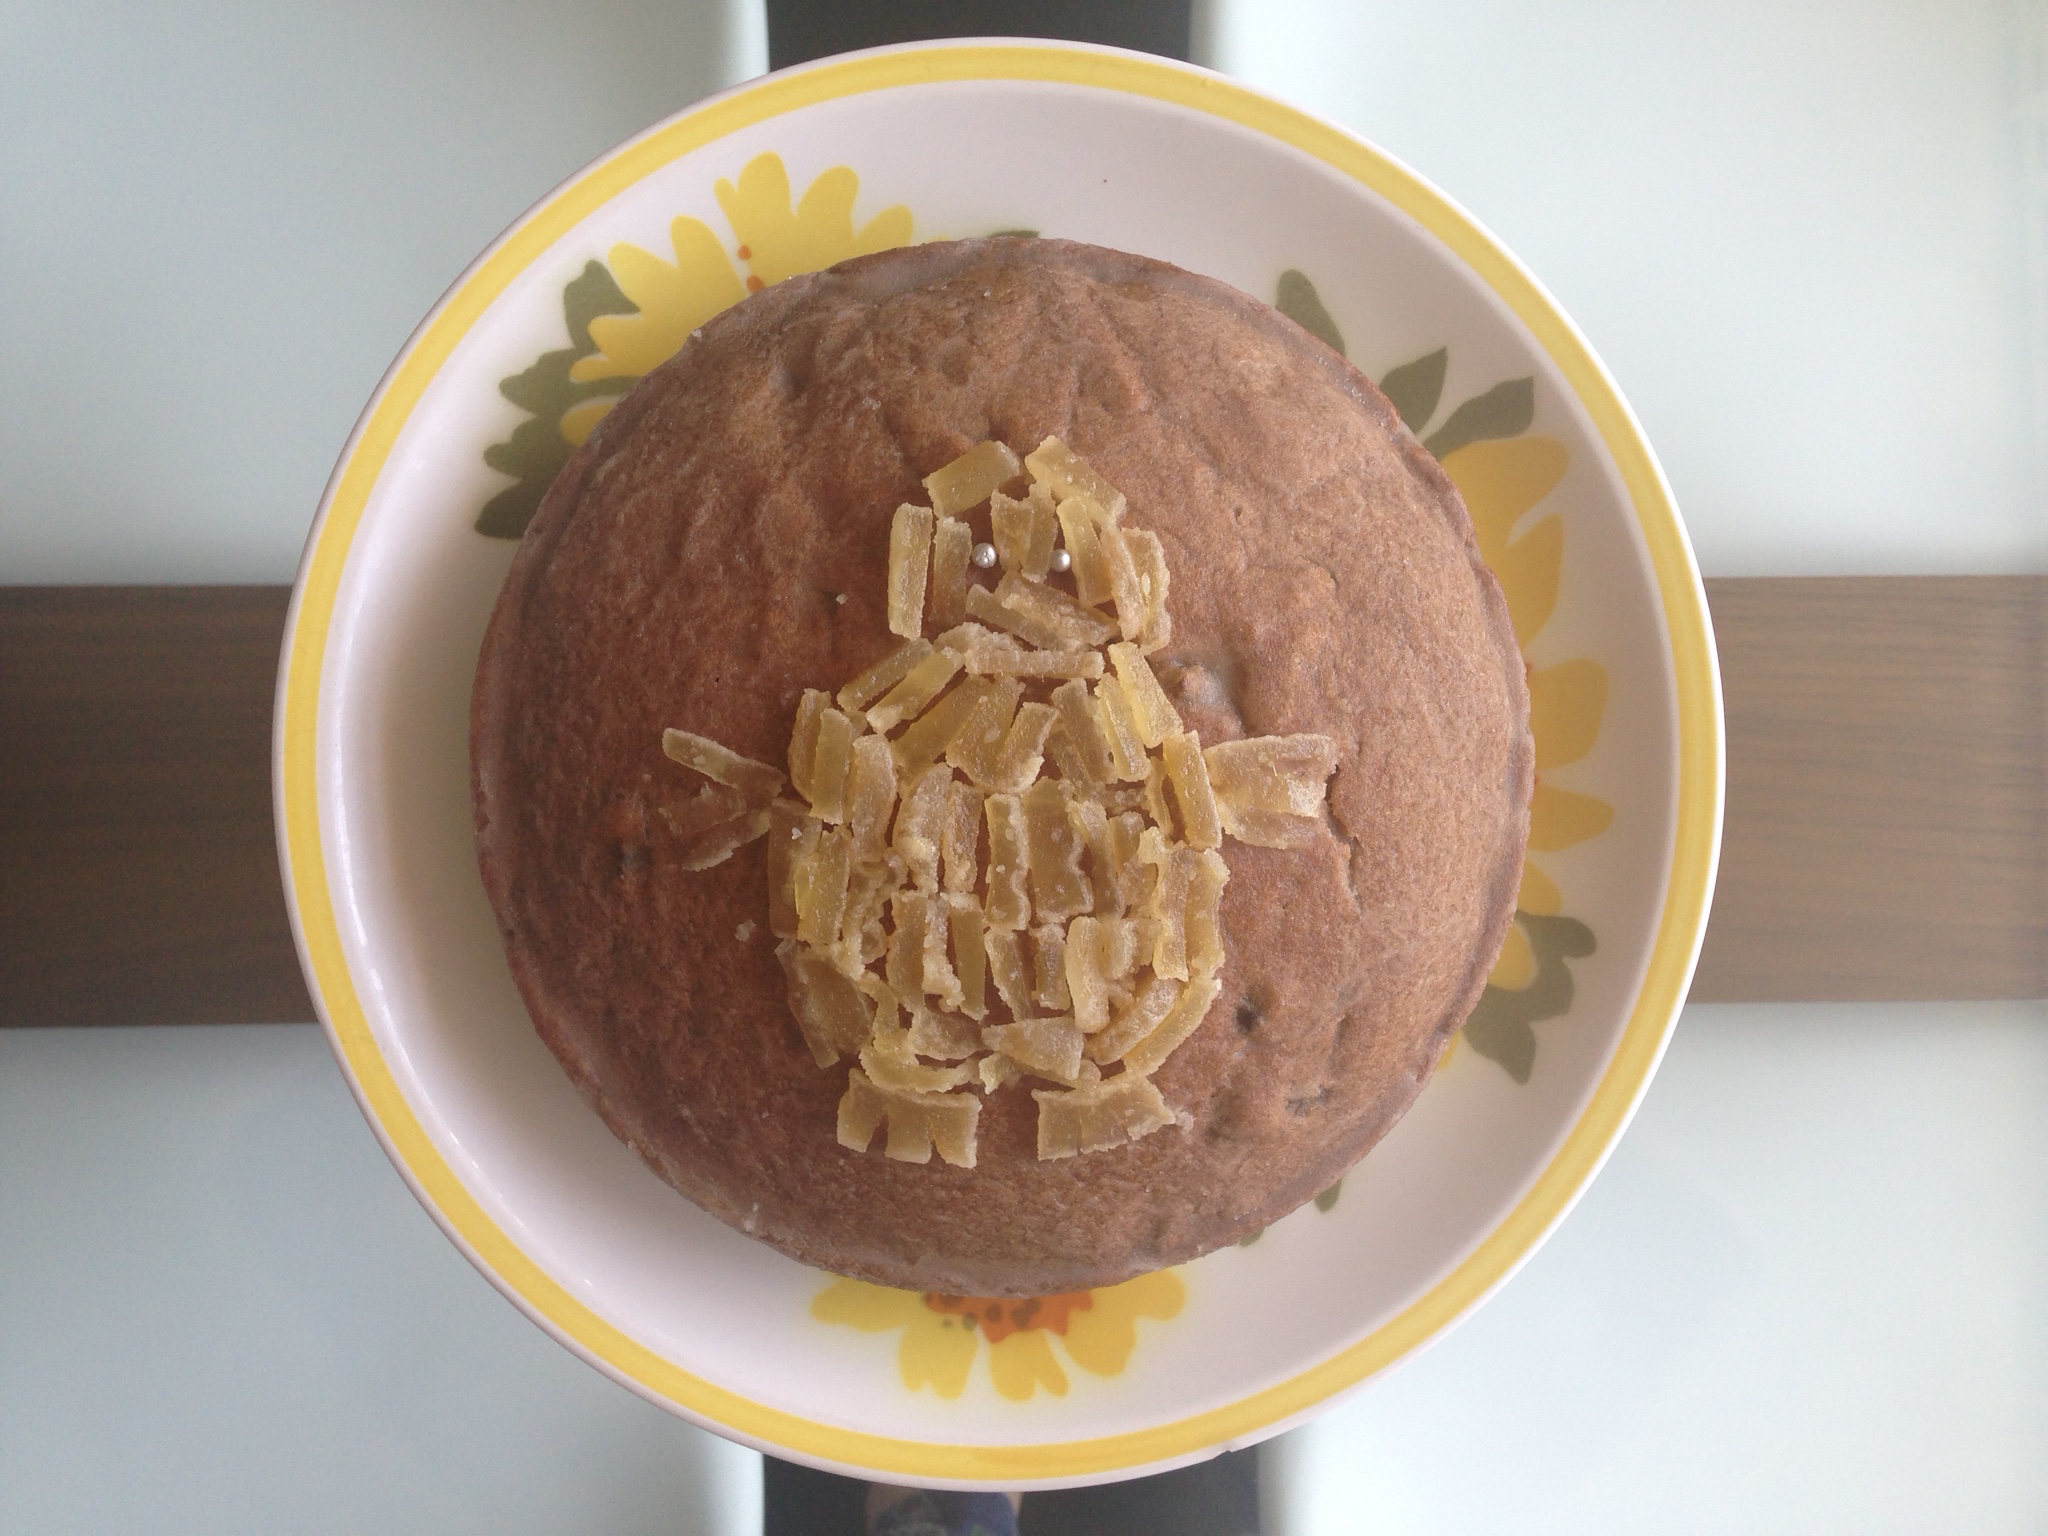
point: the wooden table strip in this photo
(1887, 831)
(1887, 828)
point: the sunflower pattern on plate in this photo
(633, 311)
(1096, 1330)
(1504, 472)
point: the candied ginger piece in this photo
(830, 767)
(933, 731)
(942, 1037)
(830, 1011)
(1134, 877)
(1024, 532)
(952, 548)
(970, 955)
(1092, 823)
(714, 845)
(918, 1122)
(1269, 829)
(1084, 730)
(789, 827)
(868, 890)
(1060, 748)
(711, 805)
(921, 825)
(1023, 751)
(1059, 889)
(1080, 522)
(870, 796)
(1157, 807)
(1189, 774)
(1168, 902)
(976, 748)
(1049, 968)
(1153, 1002)
(910, 554)
(757, 781)
(960, 836)
(818, 877)
(1086, 962)
(1045, 1047)
(877, 680)
(1270, 789)
(907, 700)
(1126, 585)
(1149, 556)
(940, 980)
(1207, 876)
(1187, 1013)
(1009, 862)
(1120, 731)
(1121, 942)
(1005, 951)
(1016, 661)
(997, 1071)
(1151, 710)
(1066, 474)
(904, 1072)
(1097, 1116)
(803, 739)
(1047, 617)
(1272, 773)
(969, 479)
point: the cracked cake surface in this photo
(721, 544)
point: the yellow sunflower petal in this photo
(1516, 967)
(870, 1308)
(1501, 479)
(1565, 705)
(1539, 894)
(1560, 817)
(1023, 1362)
(579, 421)
(1528, 571)
(1101, 1338)
(938, 1348)
(674, 299)
(779, 242)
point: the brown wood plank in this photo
(138, 876)
(1887, 832)
(1887, 826)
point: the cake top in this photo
(722, 544)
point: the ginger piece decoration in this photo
(1013, 801)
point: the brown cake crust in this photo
(720, 544)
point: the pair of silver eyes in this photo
(985, 557)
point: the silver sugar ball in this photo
(1062, 561)
(985, 556)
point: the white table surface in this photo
(1809, 1292)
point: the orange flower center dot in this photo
(746, 254)
(1001, 1316)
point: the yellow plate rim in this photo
(1688, 888)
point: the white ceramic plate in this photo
(401, 951)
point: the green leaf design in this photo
(1298, 300)
(1327, 1200)
(1022, 234)
(1415, 388)
(1499, 1027)
(1503, 411)
(536, 451)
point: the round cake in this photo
(717, 559)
